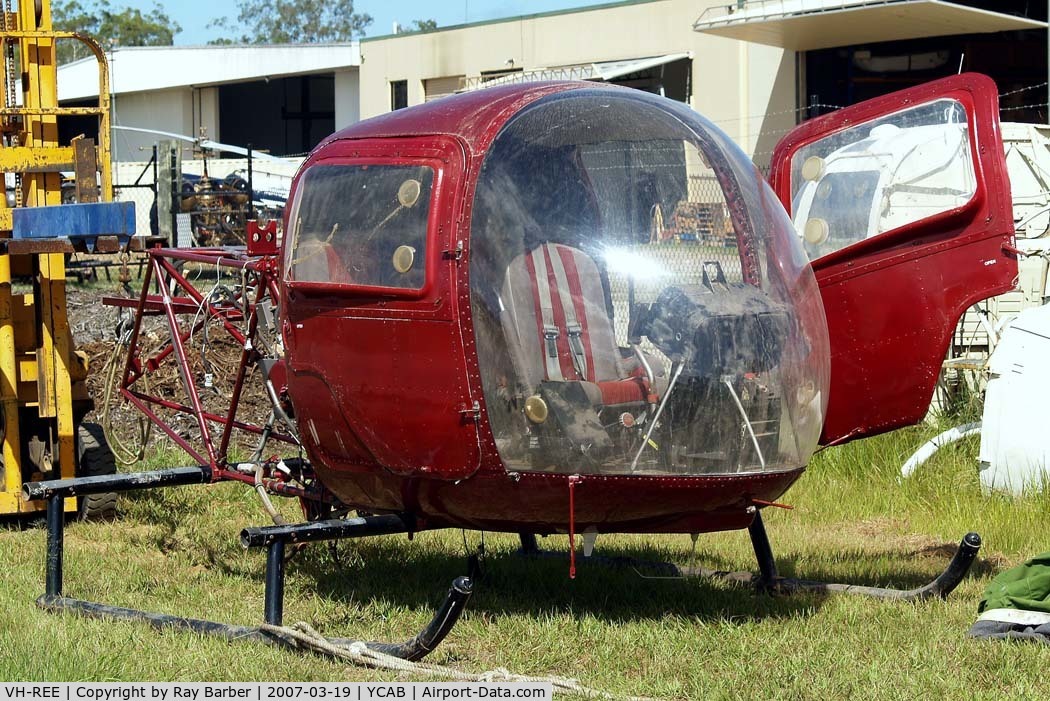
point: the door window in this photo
(361, 225)
(881, 175)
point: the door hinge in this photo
(457, 253)
(1013, 250)
(471, 413)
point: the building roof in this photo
(806, 25)
(604, 70)
(512, 18)
(147, 68)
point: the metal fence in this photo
(684, 238)
(137, 182)
(144, 197)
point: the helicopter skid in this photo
(414, 649)
(273, 538)
(767, 580)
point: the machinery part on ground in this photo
(397, 657)
(414, 649)
(927, 450)
(94, 459)
(42, 412)
(1015, 445)
(768, 580)
(941, 586)
(31, 148)
(276, 538)
(232, 314)
(218, 209)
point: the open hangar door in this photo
(849, 51)
(284, 116)
(1017, 61)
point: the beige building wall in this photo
(162, 110)
(178, 111)
(206, 112)
(347, 100)
(747, 89)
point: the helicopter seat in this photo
(555, 318)
(318, 261)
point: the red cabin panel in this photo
(894, 293)
(377, 373)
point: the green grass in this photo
(176, 551)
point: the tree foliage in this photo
(418, 25)
(292, 22)
(424, 25)
(110, 26)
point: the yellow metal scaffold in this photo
(42, 390)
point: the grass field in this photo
(176, 551)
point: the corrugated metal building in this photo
(283, 99)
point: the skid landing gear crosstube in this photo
(768, 580)
(273, 538)
(276, 538)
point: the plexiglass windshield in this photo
(363, 225)
(640, 301)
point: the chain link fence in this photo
(137, 182)
(144, 197)
(695, 234)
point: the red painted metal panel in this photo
(474, 117)
(377, 376)
(893, 300)
(539, 502)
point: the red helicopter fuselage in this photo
(537, 305)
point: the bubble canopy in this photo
(640, 302)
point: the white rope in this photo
(303, 636)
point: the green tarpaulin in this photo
(1026, 587)
(1016, 604)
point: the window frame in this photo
(431, 242)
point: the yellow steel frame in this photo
(35, 371)
(9, 498)
(36, 354)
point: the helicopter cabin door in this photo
(375, 353)
(902, 204)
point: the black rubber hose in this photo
(430, 637)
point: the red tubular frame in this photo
(162, 275)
